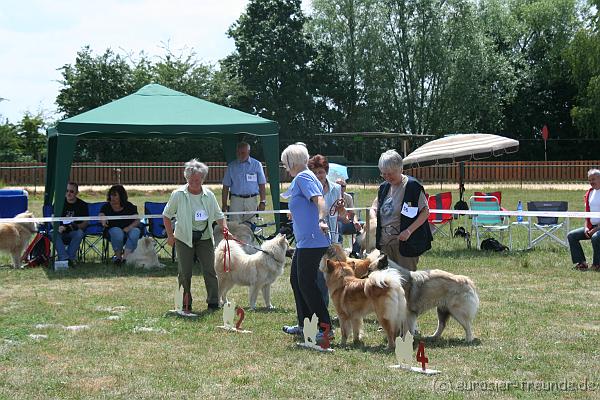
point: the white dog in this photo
(258, 270)
(144, 255)
(15, 236)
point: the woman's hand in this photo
(404, 235)
(590, 232)
(323, 226)
(171, 240)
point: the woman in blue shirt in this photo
(307, 206)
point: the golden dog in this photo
(354, 298)
(15, 236)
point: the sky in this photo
(39, 36)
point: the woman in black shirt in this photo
(121, 232)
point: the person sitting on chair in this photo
(120, 231)
(590, 231)
(71, 231)
(244, 180)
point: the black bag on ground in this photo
(492, 244)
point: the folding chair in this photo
(441, 201)
(156, 227)
(492, 224)
(92, 241)
(483, 196)
(548, 226)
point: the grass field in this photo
(538, 332)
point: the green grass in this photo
(539, 323)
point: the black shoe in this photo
(72, 264)
(354, 255)
(213, 307)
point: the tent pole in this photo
(272, 161)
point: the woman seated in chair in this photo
(120, 232)
(591, 229)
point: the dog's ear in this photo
(330, 266)
(382, 262)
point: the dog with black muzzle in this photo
(452, 295)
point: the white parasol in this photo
(458, 148)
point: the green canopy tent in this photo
(156, 112)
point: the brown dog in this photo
(354, 298)
(15, 236)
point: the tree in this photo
(10, 144)
(273, 61)
(583, 55)
(534, 35)
(33, 141)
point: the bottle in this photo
(519, 208)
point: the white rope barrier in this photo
(559, 214)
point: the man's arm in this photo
(262, 191)
(224, 198)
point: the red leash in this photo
(226, 236)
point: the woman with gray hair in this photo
(309, 213)
(590, 231)
(196, 209)
(402, 232)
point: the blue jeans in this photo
(575, 237)
(117, 238)
(72, 240)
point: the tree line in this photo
(425, 67)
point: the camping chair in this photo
(492, 224)
(156, 227)
(548, 226)
(441, 201)
(92, 241)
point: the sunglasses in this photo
(71, 191)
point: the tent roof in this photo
(157, 111)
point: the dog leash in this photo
(228, 236)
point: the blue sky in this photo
(38, 37)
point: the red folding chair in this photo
(441, 201)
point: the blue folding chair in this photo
(156, 227)
(93, 239)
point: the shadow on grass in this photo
(110, 271)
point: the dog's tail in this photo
(386, 285)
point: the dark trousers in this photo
(303, 278)
(203, 249)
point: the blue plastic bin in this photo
(13, 202)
